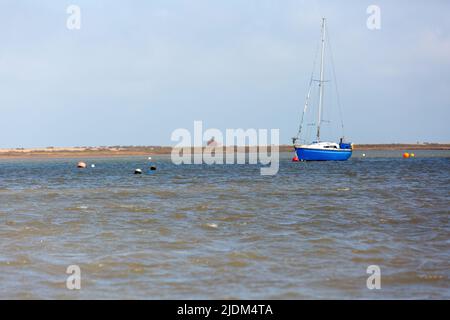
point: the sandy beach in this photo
(123, 151)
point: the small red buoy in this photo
(295, 159)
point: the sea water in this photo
(225, 231)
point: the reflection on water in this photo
(225, 231)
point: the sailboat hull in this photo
(309, 154)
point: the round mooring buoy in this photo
(137, 171)
(295, 159)
(152, 167)
(81, 165)
(406, 155)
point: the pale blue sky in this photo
(137, 70)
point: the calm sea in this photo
(225, 231)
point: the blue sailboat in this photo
(320, 150)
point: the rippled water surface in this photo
(225, 231)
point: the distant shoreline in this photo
(123, 151)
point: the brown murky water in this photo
(224, 231)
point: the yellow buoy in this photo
(412, 155)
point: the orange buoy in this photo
(295, 159)
(406, 155)
(81, 165)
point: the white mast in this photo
(319, 120)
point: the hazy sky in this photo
(138, 70)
